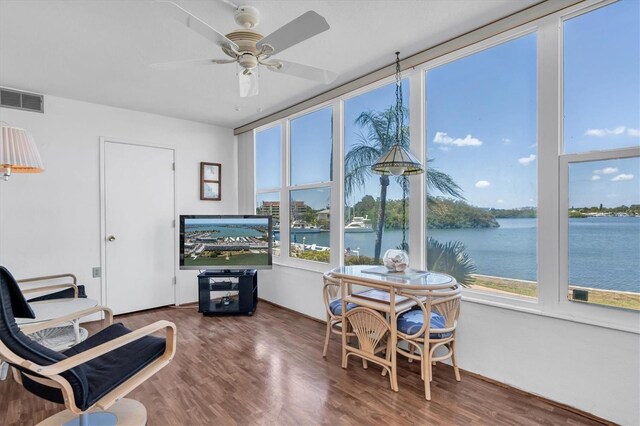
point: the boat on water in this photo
(359, 224)
(300, 227)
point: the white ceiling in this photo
(99, 50)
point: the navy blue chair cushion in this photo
(67, 293)
(106, 372)
(12, 300)
(89, 381)
(15, 299)
(115, 367)
(411, 321)
(336, 307)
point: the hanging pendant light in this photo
(398, 161)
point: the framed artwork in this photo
(210, 181)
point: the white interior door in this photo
(139, 225)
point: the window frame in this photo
(552, 177)
(595, 314)
(278, 189)
(590, 310)
(476, 295)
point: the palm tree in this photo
(450, 258)
(378, 138)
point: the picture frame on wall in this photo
(210, 181)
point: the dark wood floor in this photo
(268, 369)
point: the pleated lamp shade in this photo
(398, 162)
(18, 152)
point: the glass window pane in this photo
(602, 78)
(481, 175)
(268, 203)
(309, 224)
(604, 232)
(311, 147)
(268, 157)
(369, 132)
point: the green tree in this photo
(378, 135)
(309, 216)
(450, 258)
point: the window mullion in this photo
(549, 137)
(337, 187)
(417, 219)
(285, 209)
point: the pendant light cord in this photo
(399, 102)
(399, 140)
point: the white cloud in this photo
(444, 148)
(606, 171)
(445, 139)
(617, 131)
(622, 176)
(500, 201)
(525, 161)
(595, 177)
(506, 141)
(483, 184)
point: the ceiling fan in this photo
(250, 49)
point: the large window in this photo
(268, 158)
(311, 151)
(268, 170)
(531, 144)
(601, 162)
(374, 204)
(481, 177)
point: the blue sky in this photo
(377, 100)
(482, 119)
(602, 102)
(482, 123)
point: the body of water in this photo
(227, 230)
(604, 252)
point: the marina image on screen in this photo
(225, 242)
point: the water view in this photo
(604, 251)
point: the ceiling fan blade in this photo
(303, 27)
(196, 24)
(192, 63)
(302, 71)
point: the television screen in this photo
(225, 242)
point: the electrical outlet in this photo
(96, 272)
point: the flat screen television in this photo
(225, 242)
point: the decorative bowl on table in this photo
(396, 260)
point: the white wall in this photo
(591, 368)
(50, 222)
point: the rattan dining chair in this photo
(425, 337)
(372, 331)
(333, 306)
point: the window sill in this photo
(304, 265)
(630, 327)
(501, 302)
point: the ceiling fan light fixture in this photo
(248, 81)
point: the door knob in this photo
(111, 238)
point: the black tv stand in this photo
(236, 291)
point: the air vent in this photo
(10, 98)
